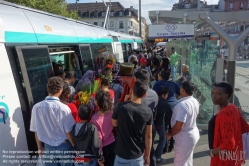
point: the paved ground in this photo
(200, 152)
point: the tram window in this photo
(67, 61)
(39, 70)
(97, 50)
(86, 58)
(125, 52)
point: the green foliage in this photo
(58, 7)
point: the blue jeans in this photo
(131, 162)
(55, 153)
(162, 140)
(173, 72)
(92, 163)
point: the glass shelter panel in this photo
(200, 58)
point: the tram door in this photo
(119, 52)
(86, 57)
(36, 69)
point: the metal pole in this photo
(77, 6)
(157, 15)
(198, 5)
(140, 19)
(107, 13)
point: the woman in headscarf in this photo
(85, 82)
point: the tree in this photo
(58, 7)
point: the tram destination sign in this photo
(171, 31)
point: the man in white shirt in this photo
(184, 129)
(52, 123)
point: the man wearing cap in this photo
(125, 73)
(143, 63)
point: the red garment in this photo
(74, 111)
(127, 90)
(111, 94)
(228, 136)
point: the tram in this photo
(31, 41)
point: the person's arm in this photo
(155, 87)
(115, 123)
(175, 129)
(70, 138)
(148, 143)
(181, 117)
(68, 123)
(115, 116)
(39, 144)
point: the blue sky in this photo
(147, 5)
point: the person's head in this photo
(164, 63)
(60, 73)
(84, 112)
(70, 77)
(55, 86)
(57, 67)
(164, 92)
(185, 68)
(139, 89)
(221, 92)
(65, 95)
(155, 62)
(143, 75)
(126, 72)
(106, 72)
(163, 75)
(143, 62)
(187, 89)
(105, 83)
(173, 49)
(103, 101)
(135, 63)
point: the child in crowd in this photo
(103, 121)
(163, 116)
(64, 98)
(104, 85)
(86, 140)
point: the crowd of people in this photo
(118, 121)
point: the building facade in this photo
(124, 20)
(236, 5)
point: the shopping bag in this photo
(245, 139)
(40, 161)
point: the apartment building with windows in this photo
(121, 19)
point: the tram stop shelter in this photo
(209, 69)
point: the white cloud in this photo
(147, 5)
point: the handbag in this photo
(245, 140)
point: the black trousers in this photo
(108, 153)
